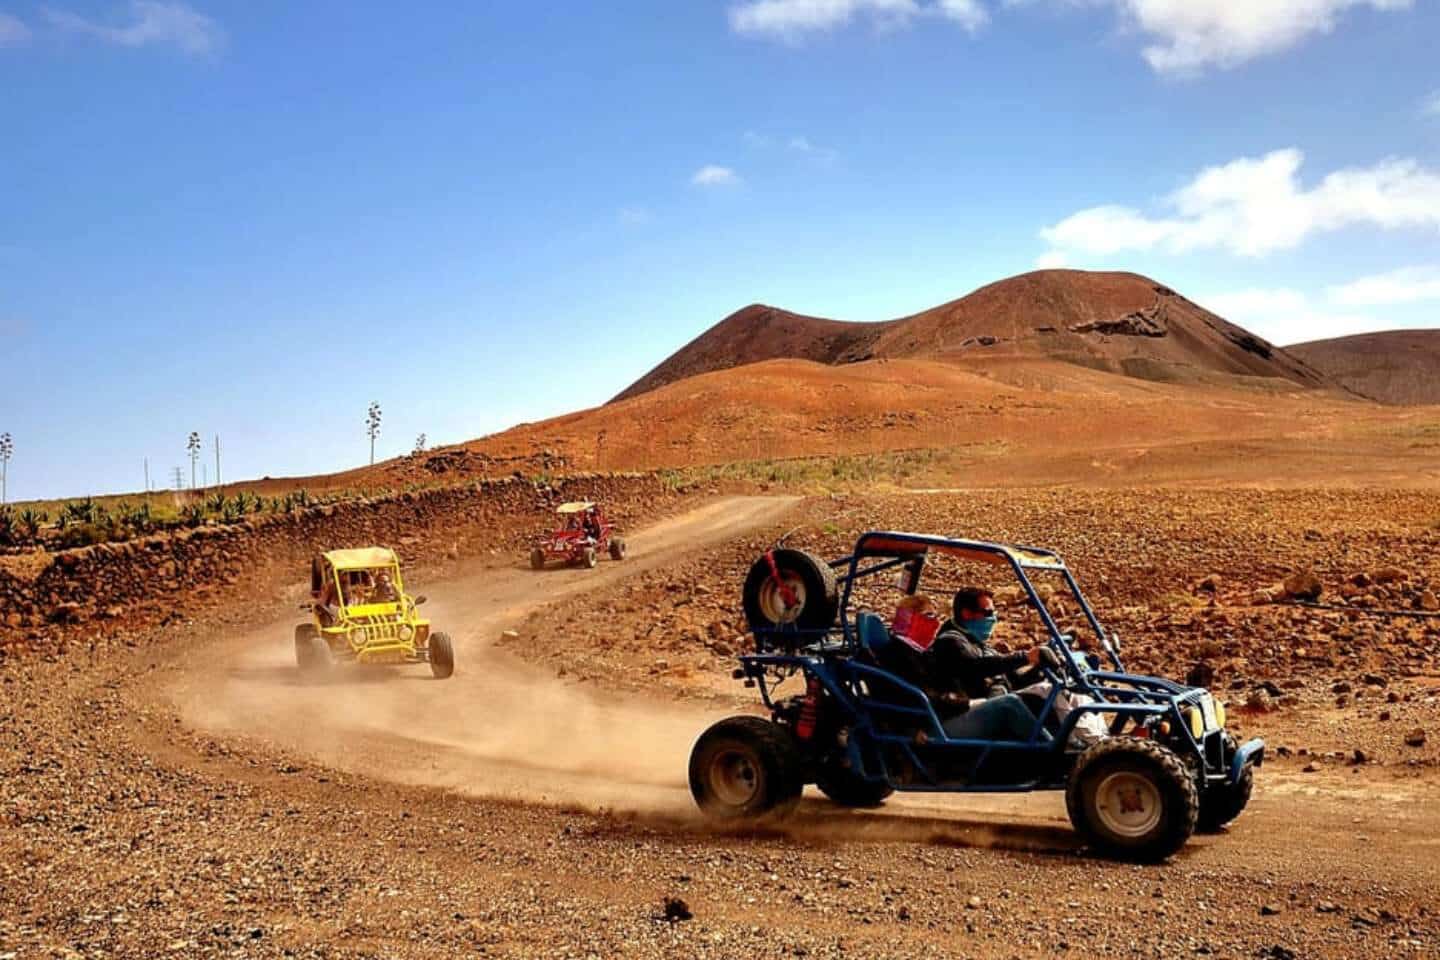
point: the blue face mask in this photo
(980, 629)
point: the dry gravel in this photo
(126, 834)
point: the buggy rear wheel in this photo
(745, 768)
(804, 595)
(1132, 799)
(441, 654)
(312, 653)
(848, 789)
(617, 548)
(591, 558)
(537, 559)
(1223, 803)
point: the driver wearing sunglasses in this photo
(967, 668)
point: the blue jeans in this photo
(999, 718)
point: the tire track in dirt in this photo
(499, 727)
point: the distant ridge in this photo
(1119, 322)
(1397, 366)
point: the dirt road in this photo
(499, 726)
(195, 800)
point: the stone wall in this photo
(146, 580)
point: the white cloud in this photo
(1255, 206)
(1406, 285)
(712, 175)
(1181, 36)
(1430, 106)
(1189, 35)
(790, 19)
(151, 22)
(803, 145)
(1052, 260)
(1285, 316)
(13, 31)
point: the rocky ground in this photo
(1194, 581)
(129, 833)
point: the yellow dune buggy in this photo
(360, 613)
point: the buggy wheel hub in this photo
(734, 777)
(1128, 804)
(772, 599)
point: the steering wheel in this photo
(1051, 666)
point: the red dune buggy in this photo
(582, 535)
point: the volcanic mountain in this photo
(1118, 322)
(1399, 366)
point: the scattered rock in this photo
(1202, 674)
(677, 910)
(1389, 574)
(1260, 701)
(1415, 738)
(1303, 585)
(1270, 909)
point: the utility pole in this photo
(147, 478)
(179, 479)
(192, 447)
(217, 464)
(7, 449)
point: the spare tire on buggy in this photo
(790, 589)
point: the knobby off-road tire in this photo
(312, 653)
(617, 548)
(537, 559)
(850, 790)
(745, 768)
(591, 558)
(1132, 799)
(441, 653)
(811, 581)
(1220, 805)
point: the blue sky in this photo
(253, 218)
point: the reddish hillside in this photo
(1119, 322)
(1400, 366)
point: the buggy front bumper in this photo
(1251, 752)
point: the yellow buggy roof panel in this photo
(361, 558)
(579, 506)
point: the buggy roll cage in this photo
(782, 651)
(891, 550)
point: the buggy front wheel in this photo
(441, 654)
(745, 768)
(617, 548)
(1132, 799)
(537, 559)
(1222, 803)
(312, 653)
(591, 558)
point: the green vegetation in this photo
(826, 474)
(80, 523)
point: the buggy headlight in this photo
(406, 632)
(1196, 722)
(1219, 714)
(357, 635)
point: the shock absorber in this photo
(805, 724)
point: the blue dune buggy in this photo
(1156, 764)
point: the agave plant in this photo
(29, 522)
(80, 511)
